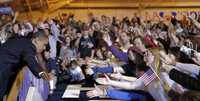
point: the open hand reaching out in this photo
(103, 81)
(117, 76)
(95, 93)
(107, 39)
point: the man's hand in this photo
(196, 58)
(46, 76)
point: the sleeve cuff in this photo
(40, 74)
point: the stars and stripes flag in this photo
(148, 77)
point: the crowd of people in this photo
(138, 59)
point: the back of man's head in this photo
(40, 35)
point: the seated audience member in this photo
(76, 73)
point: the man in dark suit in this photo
(17, 52)
(186, 74)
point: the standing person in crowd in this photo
(68, 50)
(86, 44)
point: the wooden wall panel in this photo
(120, 10)
(82, 14)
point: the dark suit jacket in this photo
(185, 80)
(14, 54)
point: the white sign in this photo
(72, 91)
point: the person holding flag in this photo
(147, 80)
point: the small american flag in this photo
(148, 77)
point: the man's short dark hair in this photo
(40, 34)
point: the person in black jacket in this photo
(187, 75)
(185, 80)
(17, 52)
(86, 45)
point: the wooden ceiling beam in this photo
(133, 5)
(57, 4)
(29, 7)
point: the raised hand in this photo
(191, 17)
(50, 21)
(107, 39)
(15, 17)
